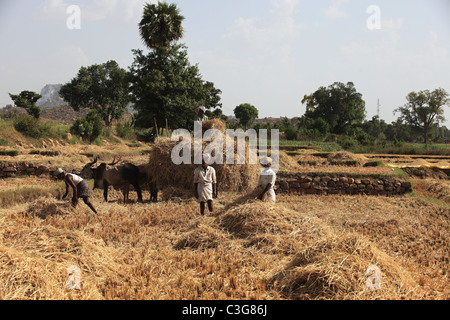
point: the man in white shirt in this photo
(267, 181)
(79, 186)
(205, 184)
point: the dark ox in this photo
(146, 183)
(120, 177)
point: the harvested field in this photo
(246, 251)
(303, 247)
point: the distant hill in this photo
(64, 114)
(50, 97)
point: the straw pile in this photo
(203, 237)
(344, 157)
(336, 268)
(287, 163)
(46, 207)
(36, 254)
(214, 124)
(255, 217)
(234, 177)
(270, 227)
(441, 189)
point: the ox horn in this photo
(94, 162)
(115, 161)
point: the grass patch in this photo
(3, 142)
(425, 199)
(404, 148)
(10, 198)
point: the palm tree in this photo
(161, 24)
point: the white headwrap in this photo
(265, 161)
(200, 109)
(207, 158)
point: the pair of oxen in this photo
(121, 177)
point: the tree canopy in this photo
(101, 87)
(424, 109)
(246, 113)
(169, 89)
(27, 100)
(161, 24)
(340, 105)
(164, 85)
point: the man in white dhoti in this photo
(205, 184)
(267, 181)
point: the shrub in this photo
(348, 143)
(365, 139)
(29, 126)
(89, 128)
(291, 133)
(146, 135)
(34, 128)
(126, 131)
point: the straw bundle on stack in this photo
(230, 177)
(214, 124)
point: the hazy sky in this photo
(269, 53)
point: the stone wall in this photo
(13, 170)
(299, 184)
(341, 184)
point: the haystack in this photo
(336, 268)
(204, 237)
(254, 218)
(230, 177)
(272, 228)
(344, 158)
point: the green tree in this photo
(399, 131)
(246, 113)
(161, 24)
(27, 100)
(102, 87)
(169, 89)
(424, 109)
(164, 86)
(340, 105)
(318, 125)
(375, 127)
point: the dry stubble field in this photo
(303, 247)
